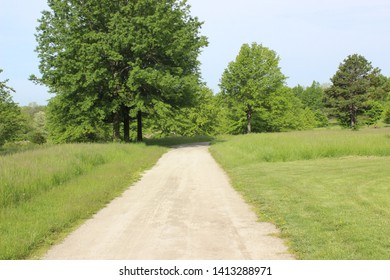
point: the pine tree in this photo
(350, 89)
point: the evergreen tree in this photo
(373, 112)
(350, 89)
(386, 110)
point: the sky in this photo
(311, 38)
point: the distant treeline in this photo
(125, 70)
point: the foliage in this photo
(312, 96)
(386, 111)
(373, 112)
(350, 89)
(284, 112)
(249, 80)
(82, 123)
(202, 118)
(281, 111)
(312, 99)
(323, 189)
(35, 128)
(110, 61)
(380, 89)
(11, 120)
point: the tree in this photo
(312, 98)
(35, 127)
(251, 78)
(200, 119)
(284, 112)
(350, 89)
(386, 110)
(112, 61)
(77, 118)
(373, 112)
(11, 120)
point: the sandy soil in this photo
(183, 208)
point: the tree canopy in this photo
(112, 61)
(251, 78)
(350, 90)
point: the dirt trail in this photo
(183, 208)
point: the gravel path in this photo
(183, 208)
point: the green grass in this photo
(17, 147)
(44, 193)
(328, 191)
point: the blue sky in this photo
(311, 37)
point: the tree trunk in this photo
(249, 119)
(353, 117)
(139, 127)
(126, 124)
(116, 136)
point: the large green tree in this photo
(250, 79)
(350, 90)
(113, 61)
(11, 120)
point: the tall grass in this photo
(305, 145)
(28, 174)
(45, 192)
(328, 191)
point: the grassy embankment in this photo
(46, 192)
(328, 191)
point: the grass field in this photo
(328, 191)
(46, 192)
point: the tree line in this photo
(20, 124)
(122, 70)
(253, 89)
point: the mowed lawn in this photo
(327, 191)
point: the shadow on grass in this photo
(176, 141)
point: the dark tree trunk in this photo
(116, 136)
(353, 117)
(249, 119)
(126, 124)
(139, 127)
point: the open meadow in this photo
(46, 192)
(328, 191)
